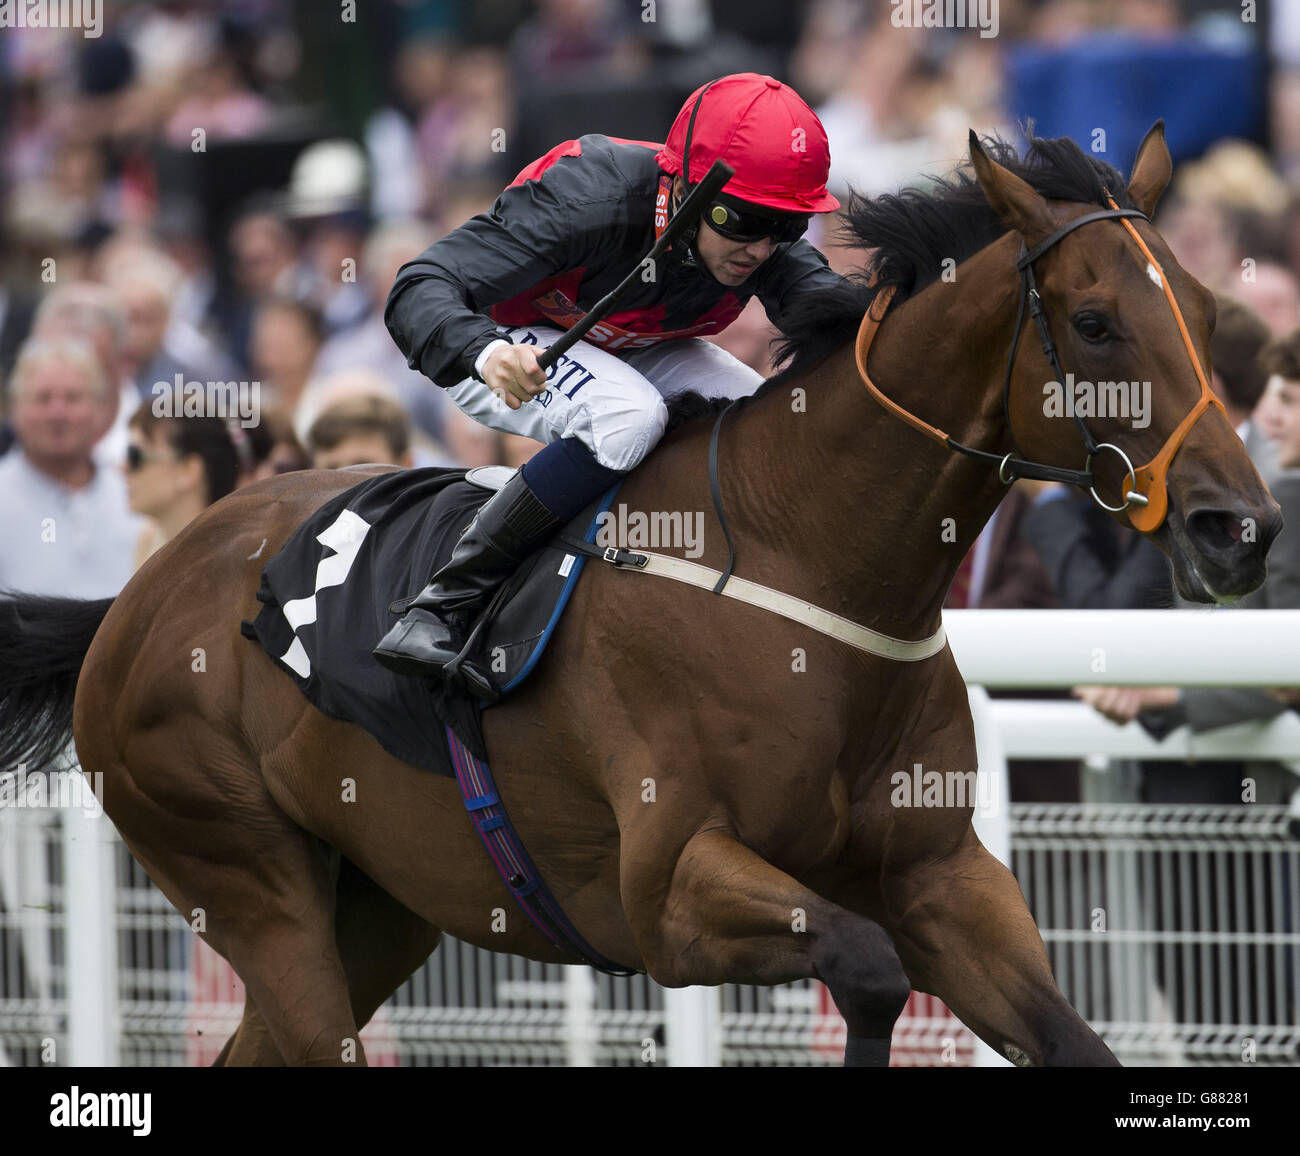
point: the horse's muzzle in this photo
(1222, 554)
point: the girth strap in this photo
(507, 853)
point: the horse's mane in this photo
(911, 234)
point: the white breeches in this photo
(613, 404)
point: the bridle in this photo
(1146, 499)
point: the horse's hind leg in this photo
(279, 936)
(251, 1045)
(272, 918)
(731, 917)
(965, 934)
(380, 943)
(195, 811)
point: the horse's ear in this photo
(1151, 170)
(1017, 203)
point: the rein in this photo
(1146, 498)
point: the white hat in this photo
(328, 177)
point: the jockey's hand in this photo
(512, 373)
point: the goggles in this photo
(744, 224)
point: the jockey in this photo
(473, 311)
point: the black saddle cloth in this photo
(328, 598)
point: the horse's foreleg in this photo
(731, 917)
(965, 934)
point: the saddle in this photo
(344, 574)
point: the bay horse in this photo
(705, 786)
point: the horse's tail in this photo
(43, 642)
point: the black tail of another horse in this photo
(43, 642)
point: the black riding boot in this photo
(503, 533)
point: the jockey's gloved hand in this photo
(512, 373)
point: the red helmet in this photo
(764, 131)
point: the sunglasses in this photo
(136, 457)
(735, 224)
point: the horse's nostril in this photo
(1222, 530)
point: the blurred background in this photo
(246, 177)
(225, 191)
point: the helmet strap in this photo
(691, 232)
(690, 129)
(684, 246)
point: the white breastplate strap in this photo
(796, 609)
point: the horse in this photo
(704, 785)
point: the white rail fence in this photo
(1174, 930)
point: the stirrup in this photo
(459, 670)
(467, 677)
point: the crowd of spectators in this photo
(224, 192)
(150, 244)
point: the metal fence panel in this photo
(1175, 931)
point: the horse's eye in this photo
(1090, 327)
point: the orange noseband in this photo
(1146, 498)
